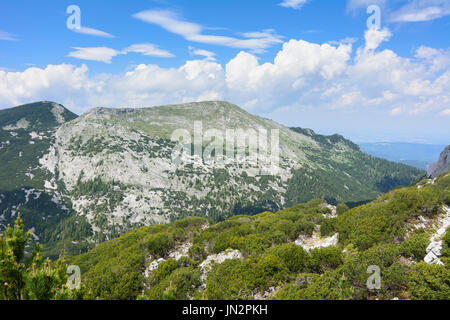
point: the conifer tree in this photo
(12, 250)
(37, 279)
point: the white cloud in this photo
(358, 4)
(103, 54)
(148, 49)
(375, 37)
(295, 66)
(319, 77)
(420, 10)
(435, 58)
(294, 4)
(171, 22)
(7, 36)
(446, 112)
(396, 111)
(93, 32)
(209, 55)
(56, 82)
(409, 11)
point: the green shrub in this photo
(355, 267)
(415, 246)
(328, 227)
(303, 227)
(158, 244)
(236, 279)
(294, 290)
(323, 259)
(326, 287)
(294, 257)
(181, 284)
(341, 208)
(250, 244)
(446, 244)
(384, 220)
(429, 282)
(164, 269)
(394, 281)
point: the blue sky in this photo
(308, 63)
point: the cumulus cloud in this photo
(55, 82)
(294, 4)
(103, 54)
(173, 23)
(375, 37)
(301, 75)
(437, 59)
(298, 65)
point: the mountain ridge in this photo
(110, 170)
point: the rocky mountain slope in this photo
(26, 134)
(89, 178)
(443, 164)
(310, 251)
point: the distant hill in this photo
(419, 155)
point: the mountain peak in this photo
(35, 116)
(443, 164)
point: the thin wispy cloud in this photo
(148, 49)
(93, 32)
(7, 36)
(419, 11)
(349, 40)
(294, 4)
(105, 54)
(406, 10)
(358, 4)
(173, 23)
(209, 55)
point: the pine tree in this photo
(12, 250)
(37, 279)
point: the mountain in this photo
(26, 134)
(418, 155)
(81, 180)
(312, 251)
(443, 164)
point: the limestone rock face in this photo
(443, 164)
(435, 246)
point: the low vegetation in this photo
(273, 266)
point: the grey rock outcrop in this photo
(443, 164)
